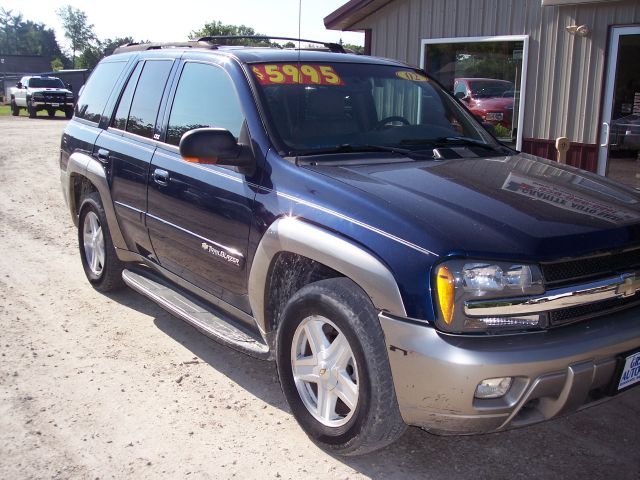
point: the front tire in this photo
(99, 260)
(31, 110)
(51, 112)
(68, 113)
(334, 369)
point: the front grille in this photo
(565, 316)
(568, 272)
(55, 97)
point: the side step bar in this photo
(207, 319)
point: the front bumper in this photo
(48, 104)
(555, 372)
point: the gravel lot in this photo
(95, 386)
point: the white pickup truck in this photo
(41, 93)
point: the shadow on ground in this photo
(597, 443)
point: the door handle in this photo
(103, 155)
(161, 177)
(606, 137)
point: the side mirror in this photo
(216, 146)
(461, 96)
(69, 87)
(19, 85)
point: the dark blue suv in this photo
(346, 217)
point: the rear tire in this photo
(99, 260)
(15, 110)
(334, 369)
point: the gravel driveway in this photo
(95, 386)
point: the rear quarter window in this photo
(97, 90)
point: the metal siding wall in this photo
(565, 72)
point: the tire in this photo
(51, 112)
(101, 265)
(15, 110)
(68, 113)
(31, 110)
(361, 412)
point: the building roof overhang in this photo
(352, 12)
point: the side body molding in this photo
(88, 167)
(289, 234)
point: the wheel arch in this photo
(85, 174)
(320, 254)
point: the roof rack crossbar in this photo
(132, 47)
(333, 47)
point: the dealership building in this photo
(536, 69)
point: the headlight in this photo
(460, 281)
(69, 95)
(38, 96)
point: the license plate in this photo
(494, 116)
(630, 374)
(55, 104)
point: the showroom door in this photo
(619, 152)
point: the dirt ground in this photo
(95, 386)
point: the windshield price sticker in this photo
(409, 75)
(289, 74)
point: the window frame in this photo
(123, 88)
(500, 38)
(166, 114)
(160, 112)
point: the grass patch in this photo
(5, 111)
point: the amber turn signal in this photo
(445, 285)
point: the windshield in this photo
(45, 83)
(490, 88)
(317, 108)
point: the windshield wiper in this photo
(355, 148)
(463, 141)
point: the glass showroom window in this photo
(487, 74)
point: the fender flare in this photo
(83, 165)
(289, 234)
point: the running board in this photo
(208, 320)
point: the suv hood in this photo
(49, 90)
(516, 206)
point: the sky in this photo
(162, 21)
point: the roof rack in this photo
(213, 42)
(333, 47)
(133, 47)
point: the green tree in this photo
(24, 37)
(355, 48)
(109, 45)
(56, 64)
(217, 28)
(89, 57)
(77, 29)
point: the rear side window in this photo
(147, 96)
(205, 97)
(122, 114)
(97, 90)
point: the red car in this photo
(484, 98)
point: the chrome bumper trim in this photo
(620, 286)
